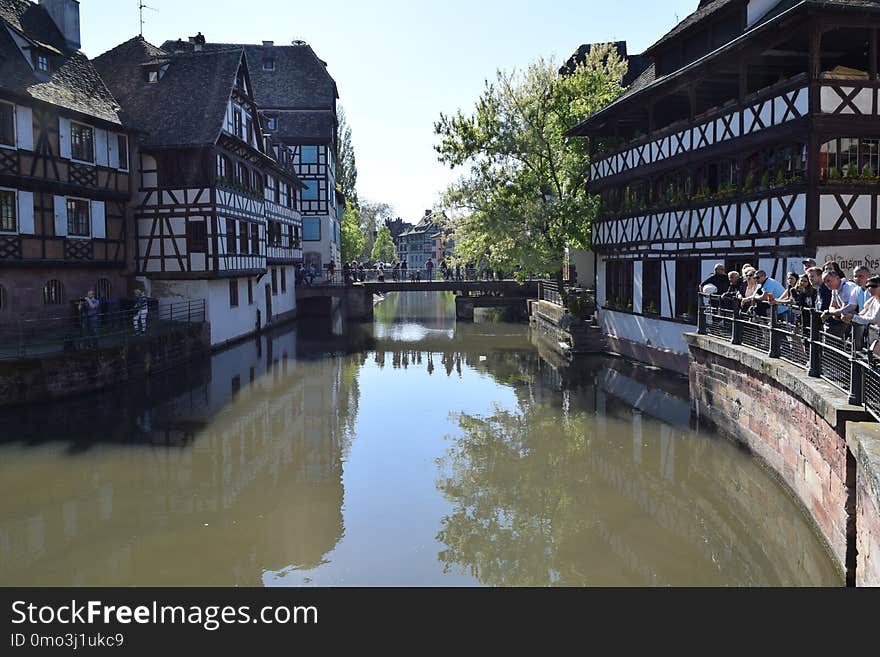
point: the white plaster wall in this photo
(637, 286)
(585, 261)
(654, 333)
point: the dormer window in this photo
(271, 123)
(269, 65)
(7, 124)
(236, 123)
(41, 63)
(151, 75)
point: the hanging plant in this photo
(834, 174)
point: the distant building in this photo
(297, 104)
(65, 167)
(427, 239)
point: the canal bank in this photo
(413, 450)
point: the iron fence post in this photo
(737, 333)
(775, 335)
(815, 344)
(702, 310)
(857, 373)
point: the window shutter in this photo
(113, 150)
(24, 127)
(64, 137)
(60, 216)
(99, 220)
(26, 213)
(101, 155)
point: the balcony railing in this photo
(798, 336)
(38, 338)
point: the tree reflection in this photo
(513, 479)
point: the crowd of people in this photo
(841, 301)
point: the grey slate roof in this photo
(73, 83)
(305, 127)
(705, 9)
(187, 106)
(637, 63)
(300, 79)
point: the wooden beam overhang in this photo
(752, 43)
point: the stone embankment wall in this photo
(79, 372)
(803, 429)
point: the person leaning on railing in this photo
(844, 302)
(870, 314)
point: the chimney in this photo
(268, 44)
(198, 42)
(65, 14)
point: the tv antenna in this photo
(141, 7)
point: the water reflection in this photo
(409, 451)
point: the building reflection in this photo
(207, 483)
(607, 496)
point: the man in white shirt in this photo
(871, 312)
(844, 302)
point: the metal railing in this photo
(34, 338)
(408, 276)
(837, 353)
(549, 291)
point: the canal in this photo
(409, 451)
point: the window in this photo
(255, 239)
(283, 280)
(849, 158)
(268, 64)
(250, 293)
(619, 284)
(236, 122)
(311, 229)
(291, 198)
(41, 63)
(274, 281)
(309, 155)
(7, 211)
(271, 123)
(652, 284)
(102, 288)
(197, 237)
(82, 142)
(151, 75)
(258, 182)
(272, 185)
(53, 293)
(78, 219)
(243, 236)
(7, 124)
(231, 243)
(310, 193)
(122, 147)
(250, 130)
(687, 280)
(233, 294)
(242, 175)
(2, 298)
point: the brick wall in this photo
(865, 441)
(786, 421)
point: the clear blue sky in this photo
(397, 63)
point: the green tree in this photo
(523, 198)
(373, 216)
(383, 249)
(352, 237)
(346, 167)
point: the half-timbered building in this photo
(65, 161)
(297, 97)
(217, 213)
(753, 136)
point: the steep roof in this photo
(187, 106)
(73, 82)
(300, 79)
(305, 127)
(705, 9)
(637, 63)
